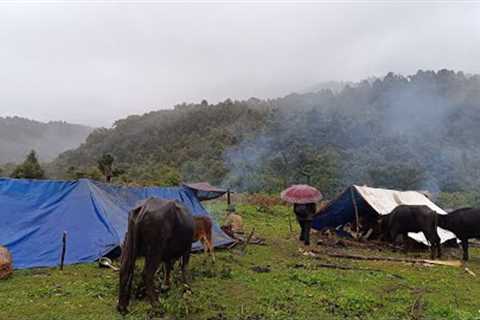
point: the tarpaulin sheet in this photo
(35, 213)
(383, 201)
(205, 191)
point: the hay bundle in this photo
(6, 265)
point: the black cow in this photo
(407, 218)
(305, 214)
(464, 223)
(162, 232)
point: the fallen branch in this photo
(449, 263)
(336, 266)
(470, 272)
(371, 244)
(452, 263)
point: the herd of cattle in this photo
(464, 223)
(163, 232)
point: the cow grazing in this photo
(203, 233)
(162, 232)
(305, 214)
(411, 218)
(464, 223)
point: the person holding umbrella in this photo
(303, 198)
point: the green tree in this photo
(105, 165)
(29, 169)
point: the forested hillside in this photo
(409, 132)
(19, 135)
(164, 147)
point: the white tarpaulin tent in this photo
(384, 201)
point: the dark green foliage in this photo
(92, 173)
(7, 169)
(152, 174)
(399, 177)
(455, 200)
(189, 140)
(29, 169)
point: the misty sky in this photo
(95, 63)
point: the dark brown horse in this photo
(162, 232)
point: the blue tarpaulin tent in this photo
(35, 213)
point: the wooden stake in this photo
(248, 240)
(64, 249)
(228, 197)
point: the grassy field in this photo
(274, 281)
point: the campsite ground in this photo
(274, 281)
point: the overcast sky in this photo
(95, 63)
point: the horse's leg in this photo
(439, 249)
(151, 265)
(433, 239)
(166, 278)
(205, 245)
(438, 243)
(185, 276)
(465, 248)
(210, 247)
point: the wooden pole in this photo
(228, 197)
(64, 249)
(356, 210)
(248, 240)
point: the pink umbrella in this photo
(301, 193)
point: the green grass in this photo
(295, 288)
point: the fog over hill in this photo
(19, 135)
(409, 132)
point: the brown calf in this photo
(203, 232)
